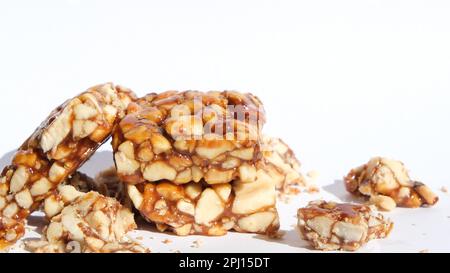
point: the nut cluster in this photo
(64, 141)
(189, 136)
(88, 222)
(332, 226)
(387, 183)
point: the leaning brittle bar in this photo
(189, 136)
(200, 208)
(64, 141)
(333, 226)
(89, 222)
(388, 185)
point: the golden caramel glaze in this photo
(188, 136)
(58, 147)
(340, 226)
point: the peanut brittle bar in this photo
(203, 209)
(89, 222)
(189, 136)
(61, 144)
(388, 185)
(332, 226)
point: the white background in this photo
(342, 81)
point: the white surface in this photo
(341, 80)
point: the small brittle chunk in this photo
(387, 183)
(333, 226)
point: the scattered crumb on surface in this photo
(196, 244)
(313, 190)
(176, 251)
(444, 189)
(424, 251)
(166, 241)
(140, 238)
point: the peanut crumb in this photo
(444, 189)
(424, 251)
(140, 238)
(196, 244)
(166, 241)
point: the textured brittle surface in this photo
(200, 208)
(63, 142)
(284, 167)
(388, 185)
(87, 222)
(335, 226)
(189, 136)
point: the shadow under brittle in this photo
(338, 190)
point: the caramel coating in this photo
(188, 136)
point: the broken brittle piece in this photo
(284, 167)
(189, 136)
(105, 183)
(388, 185)
(203, 209)
(61, 144)
(333, 226)
(88, 222)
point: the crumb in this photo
(166, 241)
(293, 191)
(444, 189)
(176, 251)
(313, 175)
(424, 251)
(196, 244)
(313, 189)
(140, 238)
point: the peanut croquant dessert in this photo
(61, 144)
(196, 163)
(333, 226)
(387, 183)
